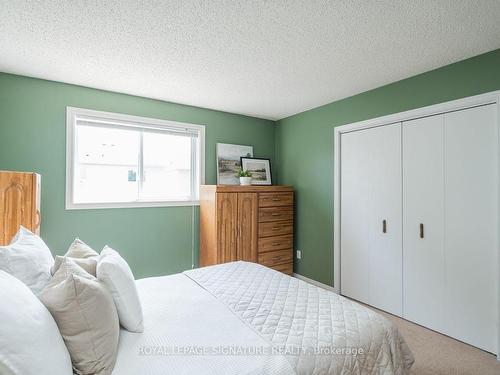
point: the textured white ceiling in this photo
(268, 59)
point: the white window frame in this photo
(133, 121)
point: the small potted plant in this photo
(245, 177)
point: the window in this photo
(116, 160)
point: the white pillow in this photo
(88, 264)
(27, 258)
(86, 316)
(30, 341)
(115, 273)
(79, 249)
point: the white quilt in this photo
(318, 331)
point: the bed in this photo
(244, 318)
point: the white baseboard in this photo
(316, 283)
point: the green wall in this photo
(155, 241)
(304, 146)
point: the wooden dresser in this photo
(19, 203)
(251, 223)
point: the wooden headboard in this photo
(19, 203)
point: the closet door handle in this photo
(384, 226)
(421, 230)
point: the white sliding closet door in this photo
(423, 221)
(371, 217)
(471, 226)
(450, 224)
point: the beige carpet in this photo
(438, 354)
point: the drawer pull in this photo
(421, 230)
(275, 214)
(276, 228)
(276, 243)
(276, 199)
(277, 258)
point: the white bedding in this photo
(319, 331)
(244, 306)
(177, 312)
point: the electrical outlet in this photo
(299, 254)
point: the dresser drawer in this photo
(275, 213)
(273, 228)
(275, 199)
(275, 243)
(273, 258)
(285, 268)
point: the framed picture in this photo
(229, 162)
(260, 169)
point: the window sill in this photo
(141, 204)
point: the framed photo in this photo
(229, 162)
(260, 169)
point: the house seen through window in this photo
(124, 160)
